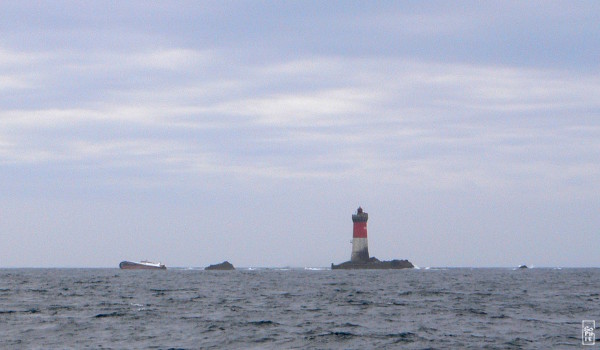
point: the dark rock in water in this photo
(226, 265)
(523, 267)
(374, 264)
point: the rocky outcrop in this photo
(226, 265)
(374, 264)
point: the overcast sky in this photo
(197, 132)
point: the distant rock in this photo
(374, 264)
(226, 265)
(523, 267)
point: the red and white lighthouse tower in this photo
(360, 245)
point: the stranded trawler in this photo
(141, 265)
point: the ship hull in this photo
(129, 265)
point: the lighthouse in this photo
(360, 249)
(360, 245)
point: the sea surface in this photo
(453, 308)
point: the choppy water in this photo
(296, 309)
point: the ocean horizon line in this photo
(303, 267)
